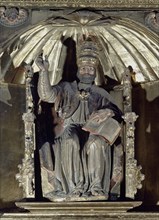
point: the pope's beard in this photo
(86, 78)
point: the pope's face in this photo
(84, 70)
(86, 74)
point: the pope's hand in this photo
(43, 64)
(28, 70)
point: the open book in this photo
(101, 123)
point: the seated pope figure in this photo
(90, 123)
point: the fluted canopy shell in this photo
(124, 43)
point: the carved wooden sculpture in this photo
(77, 177)
(82, 156)
(116, 55)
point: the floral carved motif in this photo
(12, 17)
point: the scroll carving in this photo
(26, 176)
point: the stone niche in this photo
(121, 20)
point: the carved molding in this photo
(12, 17)
(83, 3)
(26, 175)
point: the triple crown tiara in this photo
(88, 52)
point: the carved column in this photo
(133, 175)
(26, 175)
